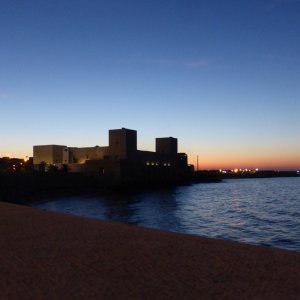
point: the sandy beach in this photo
(46, 255)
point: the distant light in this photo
(236, 170)
(256, 169)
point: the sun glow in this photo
(240, 162)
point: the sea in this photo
(255, 211)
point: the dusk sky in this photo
(221, 76)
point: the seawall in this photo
(14, 187)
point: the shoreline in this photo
(48, 255)
(39, 199)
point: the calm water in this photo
(257, 211)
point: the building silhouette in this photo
(120, 161)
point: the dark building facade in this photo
(121, 161)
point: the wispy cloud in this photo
(279, 3)
(195, 64)
(188, 64)
(286, 1)
(283, 58)
(4, 95)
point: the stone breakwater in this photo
(47, 255)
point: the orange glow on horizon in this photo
(261, 157)
(229, 163)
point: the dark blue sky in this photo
(222, 76)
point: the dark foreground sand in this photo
(47, 255)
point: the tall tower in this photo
(167, 145)
(122, 143)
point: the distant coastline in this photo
(219, 174)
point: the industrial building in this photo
(120, 161)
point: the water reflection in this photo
(159, 209)
(258, 211)
(120, 208)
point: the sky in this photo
(221, 76)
